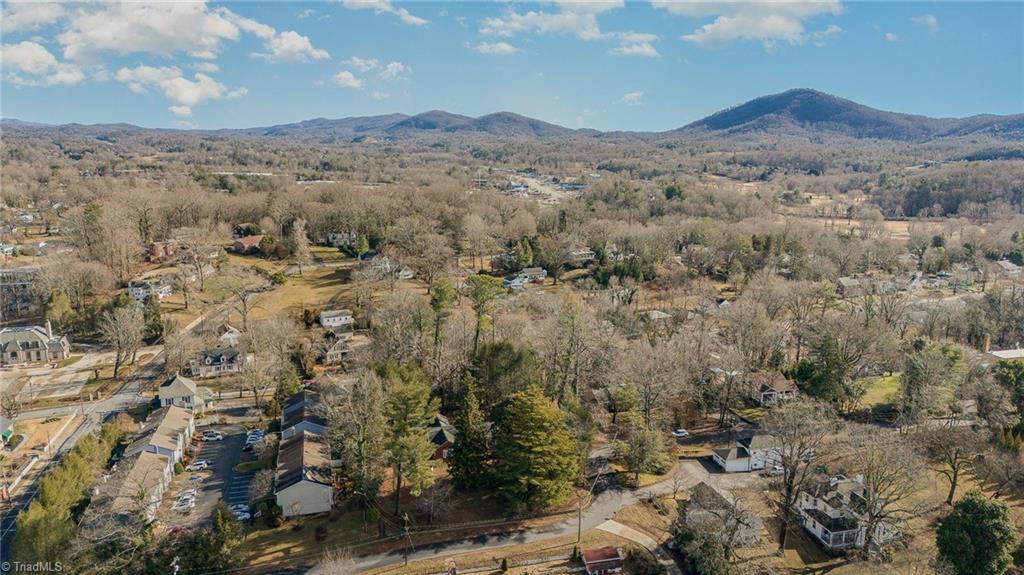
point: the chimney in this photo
(987, 343)
(49, 330)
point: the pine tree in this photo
(978, 536)
(151, 316)
(59, 311)
(535, 456)
(408, 410)
(468, 461)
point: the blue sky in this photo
(607, 65)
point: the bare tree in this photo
(336, 562)
(300, 244)
(123, 328)
(953, 451)
(800, 428)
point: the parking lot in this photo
(212, 484)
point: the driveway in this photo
(211, 484)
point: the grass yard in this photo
(70, 361)
(316, 288)
(880, 390)
(751, 414)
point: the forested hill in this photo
(801, 113)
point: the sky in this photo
(609, 65)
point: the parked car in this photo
(197, 465)
(183, 506)
(680, 433)
(242, 515)
(212, 436)
(187, 493)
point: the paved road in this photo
(606, 503)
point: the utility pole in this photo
(405, 531)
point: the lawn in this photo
(70, 361)
(751, 414)
(880, 390)
(316, 288)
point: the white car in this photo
(197, 465)
(184, 506)
(187, 493)
(212, 436)
(680, 433)
(239, 507)
(242, 515)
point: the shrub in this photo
(179, 468)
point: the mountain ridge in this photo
(799, 112)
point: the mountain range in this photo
(801, 113)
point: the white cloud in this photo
(891, 37)
(929, 21)
(348, 80)
(636, 44)
(385, 7)
(632, 98)
(31, 64)
(208, 67)
(769, 22)
(302, 15)
(184, 93)
(394, 70)
(380, 95)
(167, 28)
(819, 37)
(18, 16)
(362, 64)
(291, 46)
(573, 17)
(500, 48)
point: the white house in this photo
(773, 388)
(144, 486)
(342, 239)
(750, 454)
(337, 318)
(167, 431)
(181, 391)
(33, 344)
(831, 514)
(141, 290)
(228, 335)
(219, 361)
(304, 483)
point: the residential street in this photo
(605, 505)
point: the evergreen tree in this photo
(643, 450)
(468, 461)
(409, 409)
(59, 311)
(978, 537)
(151, 317)
(535, 456)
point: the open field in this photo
(881, 390)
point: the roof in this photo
(706, 496)
(758, 441)
(5, 424)
(1007, 265)
(146, 474)
(849, 282)
(441, 432)
(177, 386)
(303, 406)
(162, 429)
(601, 555)
(303, 457)
(731, 453)
(249, 241)
(19, 336)
(1008, 353)
(228, 353)
(656, 314)
(336, 313)
(774, 382)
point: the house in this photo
(141, 290)
(219, 361)
(441, 434)
(333, 351)
(145, 485)
(1008, 269)
(849, 287)
(602, 560)
(1016, 354)
(773, 388)
(516, 283)
(181, 391)
(32, 344)
(832, 513)
(719, 512)
(757, 451)
(342, 239)
(534, 274)
(228, 335)
(405, 273)
(304, 482)
(247, 244)
(159, 251)
(167, 431)
(656, 315)
(337, 318)
(303, 412)
(581, 256)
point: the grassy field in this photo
(880, 390)
(752, 414)
(315, 288)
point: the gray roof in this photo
(303, 457)
(24, 337)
